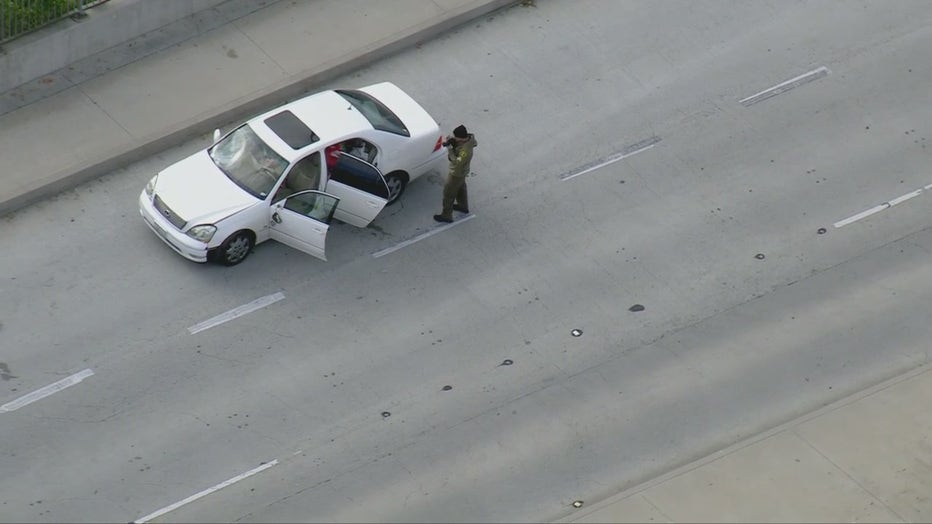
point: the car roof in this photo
(327, 114)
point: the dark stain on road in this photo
(377, 230)
(635, 308)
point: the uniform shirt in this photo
(460, 156)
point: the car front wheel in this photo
(396, 186)
(235, 249)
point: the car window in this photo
(375, 112)
(248, 161)
(304, 175)
(318, 206)
(362, 149)
(291, 130)
(354, 172)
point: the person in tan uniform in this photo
(460, 147)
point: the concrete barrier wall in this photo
(106, 25)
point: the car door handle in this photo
(373, 204)
(277, 218)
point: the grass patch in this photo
(22, 16)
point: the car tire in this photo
(235, 249)
(397, 182)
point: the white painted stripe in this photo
(905, 197)
(422, 236)
(206, 492)
(258, 303)
(880, 207)
(821, 71)
(862, 214)
(51, 389)
(611, 159)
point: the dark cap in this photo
(460, 131)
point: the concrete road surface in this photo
(676, 245)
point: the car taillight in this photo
(439, 143)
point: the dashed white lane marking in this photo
(880, 207)
(41, 393)
(422, 236)
(208, 491)
(633, 149)
(783, 87)
(258, 303)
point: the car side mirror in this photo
(216, 134)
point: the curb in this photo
(580, 515)
(254, 103)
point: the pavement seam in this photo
(787, 426)
(239, 29)
(736, 307)
(647, 499)
(104, 111)
(837, 466)
(74, 76)
(291, 87)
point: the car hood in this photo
(196, 190)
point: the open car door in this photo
(302, 221)
(360, 187)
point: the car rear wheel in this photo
(235, 249)
(396, 186)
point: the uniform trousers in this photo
(454, 192)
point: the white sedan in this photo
(286, 174)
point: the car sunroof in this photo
(291, 130)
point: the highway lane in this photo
(728, 343)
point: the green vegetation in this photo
(21, 16)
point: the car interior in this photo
(303, 176)
(361, 149)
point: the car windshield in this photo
(248, 161)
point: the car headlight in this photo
(203, 232)
(150, 187)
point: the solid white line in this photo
(862, 214)
(46, 391)
(206, 492)
(422, 236)
(880, 207)
(610, 160)
(788, 82)
(905, 197)
(258, 303)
